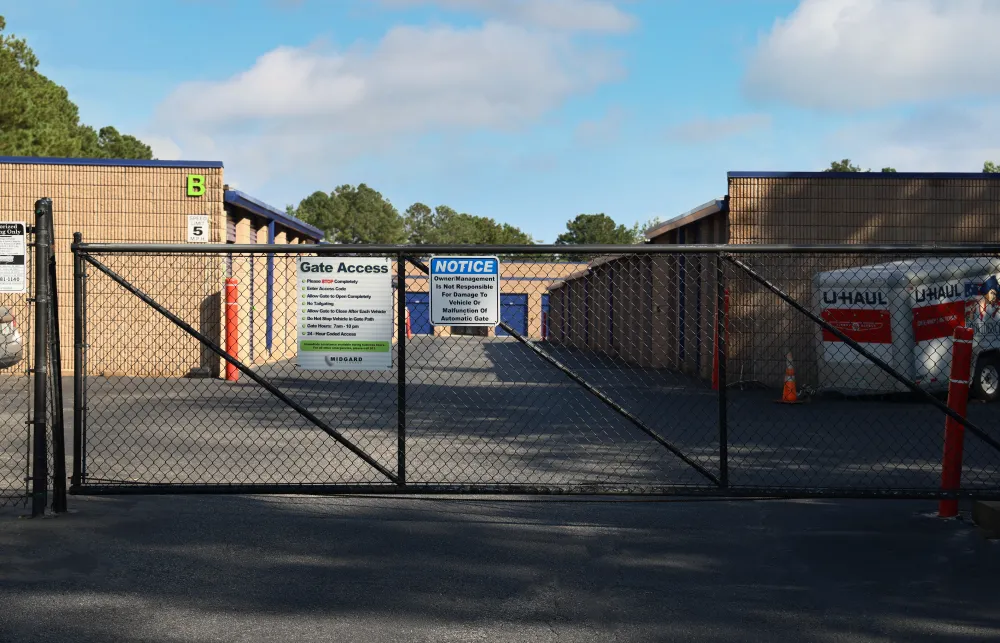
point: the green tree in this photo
(37, 118)
(651, 223)
(110, 144)
(989, 167)
(418, 223)
(598, 229)
(445, 226)
(845, 165)
(353, 215)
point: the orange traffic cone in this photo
(789, 394)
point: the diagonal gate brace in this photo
(271, 388)
(590, 388)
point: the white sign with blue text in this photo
(465, 291)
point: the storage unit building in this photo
(110, 200)
(672, 326)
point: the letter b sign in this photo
(195, 185)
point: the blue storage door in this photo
(419, 305)
(514, 311)
(545, 316)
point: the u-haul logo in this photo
(855, 297)
(938, 293)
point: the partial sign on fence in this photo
(345, 313)
(12, 253)
(465, 291)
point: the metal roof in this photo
(700, 212)
(53, 160)
(271, 213)
(862, 175)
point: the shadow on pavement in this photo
(362, 569)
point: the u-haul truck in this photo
(906, 313)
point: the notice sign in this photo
(465, 291)
(12, 245)
(345, 313)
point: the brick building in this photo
(151, 201)
(659, 312)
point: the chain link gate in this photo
(637, 369)
(32, 453)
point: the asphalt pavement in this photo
(248, 569)
(492, 412)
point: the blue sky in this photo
(530, 112)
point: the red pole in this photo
(954, 433)
(232, 329)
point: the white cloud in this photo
(936, 139)
(296, 106)
(709, 130)
(568, 15)
(164, 148)
(856, 54)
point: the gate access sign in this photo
(465, 291)
(12, 250)
(345, 313)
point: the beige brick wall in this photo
(868, 208)
(121, 204)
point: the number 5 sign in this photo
(197, 228)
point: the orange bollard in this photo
(409, 331)
(232, 329)
(954, 433)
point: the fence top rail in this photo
(638, 249)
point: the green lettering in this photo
(195, 185)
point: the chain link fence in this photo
(652, 369)
(16, 392)
(32, 453)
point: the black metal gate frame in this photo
(45, 488)
(719, 484)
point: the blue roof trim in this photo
(271, 213)
(53, 160)
(865, 175)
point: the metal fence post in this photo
(55, 378)
(79, 403)
(721, 330)
(401, 369)
(39, 464)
